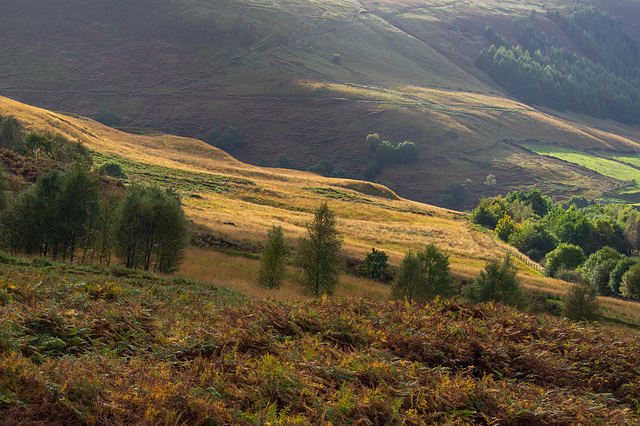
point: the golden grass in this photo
(281, 197)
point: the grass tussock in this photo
(82, 347)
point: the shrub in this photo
(113, 169)
(336, 58)
(505, 227)
(272, 261)
(581, 302)
(423, 276)
(374, 264)
(498, 282)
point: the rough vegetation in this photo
(86, 346)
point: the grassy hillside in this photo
(406, 71)
(237, 204)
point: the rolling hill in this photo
(405, 70)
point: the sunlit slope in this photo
(267, 67)
(218, 190)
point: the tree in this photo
(498, 282)
(319, 253)
(630, 285)
(581, 302)
(615, 277)
(598, 267)
(11, 134)
(112, 169)
(284, 162)
(37, 146)
(374, 264)
(565, 255)
(423, 276)
(150, 229)
(272, 261)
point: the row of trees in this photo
(381, 154)
(421, 276)
(538, 71)
(64, 216)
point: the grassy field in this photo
(624, 168)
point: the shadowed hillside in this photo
(404, 70)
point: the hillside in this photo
(406, 71)
(232, 205)
(82, 346)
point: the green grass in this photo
(177, 179)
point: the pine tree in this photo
(319, 253)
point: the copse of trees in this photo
(381, 154)
(63, 216)
(565, 236)
(228, 139)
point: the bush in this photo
(423, 276)
(505, 227)
(374, 265)
(581, 302)
(113, 169)
(498, 282)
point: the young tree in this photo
(272, 261)
(319, 253)
(498, 282)
(423, 276)
(374, 264)
(581, 302)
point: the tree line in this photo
(540, 71)
(422, 276)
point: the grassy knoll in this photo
(85, 346)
